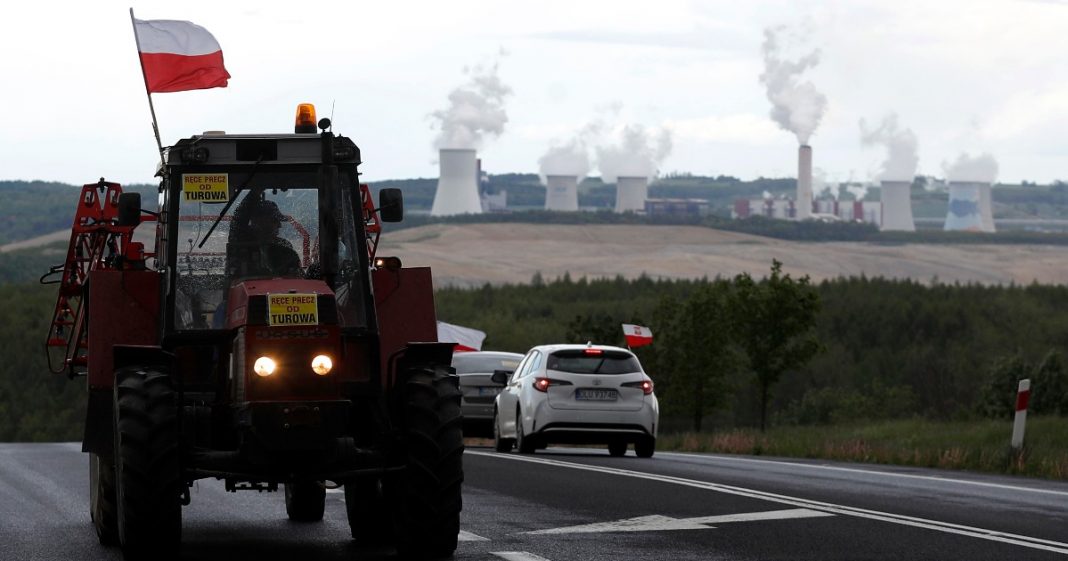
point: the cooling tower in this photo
(897, 206)
(561, 192)
(631, 193)
(803, 209)
(964, 212)
(986, 207)
(457, 185)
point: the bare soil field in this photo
(474, 254)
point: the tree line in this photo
(873, 348)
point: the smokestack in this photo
(964, 212)
(803, 209)
(457, 184)
(561, 192)
(631, 193)
(897, 206)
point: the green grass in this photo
(973, 445)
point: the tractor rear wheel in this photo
(305, 501)
(645, 447)
(427, 494)
(102, 508)
(147, 473)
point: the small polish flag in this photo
(466, 339)
(637, 335)
(178, 55)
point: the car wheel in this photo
(525, 444)
(645, 447)
(500, 444)
(617, 449)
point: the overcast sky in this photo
(965, 76)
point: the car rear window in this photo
(581, 362)
(471, 364)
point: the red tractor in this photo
(253, 336)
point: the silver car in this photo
(475, 370)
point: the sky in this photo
(967, 76)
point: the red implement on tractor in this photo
(246, 331)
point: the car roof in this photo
(499, 354)
(576, 347)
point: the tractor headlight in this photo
(264, 366)
(322, 365)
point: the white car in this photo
(577, 394)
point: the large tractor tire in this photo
(426, 496)
(102, 507)
(305, 501)
(645, 447)
(367, 510)
(147, 473)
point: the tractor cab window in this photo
(268, 232)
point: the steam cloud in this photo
(796, 106)
(572, 157)
(476, 109)
(637, 155)
(901, 157)
(980, 169)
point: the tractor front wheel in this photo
(305, 501)
(102, 508)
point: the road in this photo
(577, 504)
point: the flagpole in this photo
(144, 76)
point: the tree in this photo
(773, 324)
(598, 328)
(1050, 388)
(693, 350)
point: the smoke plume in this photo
(572, 157)
(638, 154)
(901, 157)
(796, 106)
(980, 169)
(476, 110)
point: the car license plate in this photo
(488, 391)
(596, 395)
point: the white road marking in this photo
(469, 537)
(874, 472)
(947, 527)
(341, 491)
(656, 522)
(518, 556)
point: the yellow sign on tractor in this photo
(206, 188)
(293, 309)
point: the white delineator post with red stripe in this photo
(1023, 397)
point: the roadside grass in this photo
(963, 445)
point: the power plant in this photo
(803, 209)
(964, 212)
(631, 193)
(561, 192)
(457, 183)
(897, 206)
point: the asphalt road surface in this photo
(577, 504)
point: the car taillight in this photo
(542, 384)
(645, 385)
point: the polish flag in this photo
(466, 339)
(637, 336)
(178, 55)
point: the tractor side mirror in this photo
(500, 376)
(391, 205)
(129, 209)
